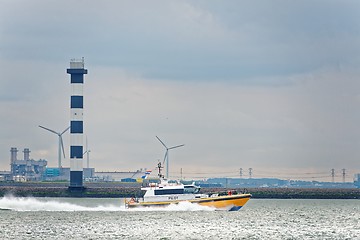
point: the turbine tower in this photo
(61, 143)
(166, 157)
(76, 72)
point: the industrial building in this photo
(23, 170)
(5, 176)
(120, 176)
(357, 180)
(63, 174)
(26, 169)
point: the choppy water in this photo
(54, 218)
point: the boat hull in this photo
(235, 202)
(230, 202)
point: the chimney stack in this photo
(26, 154)
(13, 154)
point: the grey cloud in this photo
(189, 40)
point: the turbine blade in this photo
(62, 145)
(49, 130)
(177, 146)
(65, 130)
(165, 157)
(161, 142)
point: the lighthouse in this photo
(76, 72)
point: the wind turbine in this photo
(61, 144)
(166, 157)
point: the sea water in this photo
(71, 218)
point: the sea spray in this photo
(62, 205)
(46, 204)
(181, 206)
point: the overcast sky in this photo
(271, 85)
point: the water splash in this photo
(34, 204)
(181, 206)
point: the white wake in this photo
(47, 204)
(33, 204)
(181, 206)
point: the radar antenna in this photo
(159, 167)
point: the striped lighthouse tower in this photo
(77, 72)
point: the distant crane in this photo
(61, 143)
(166, 157)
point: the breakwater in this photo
(124, 190)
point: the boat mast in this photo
(159, 168)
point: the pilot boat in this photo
(167, 192)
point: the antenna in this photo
(87, 151)
(166, 157)
(159, 167)
(61, 143)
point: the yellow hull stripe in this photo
(216, 202)
(239, 202)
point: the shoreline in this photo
(126, 190)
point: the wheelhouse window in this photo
(191, 189)
(169, 191)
